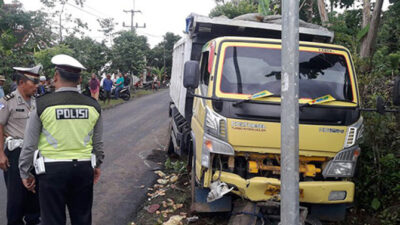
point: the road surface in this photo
(131, 132)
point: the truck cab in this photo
(237, 134)
(232, 123)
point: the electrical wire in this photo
(83, 10)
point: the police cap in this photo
(29, 73)
(67, 63)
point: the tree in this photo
(234, 9)
(322, 12)
(64, 18)
(128, 54)
(44, 57)
(91, 54)
(21, 33)
(161, 54)
(107, 27)
(368, 44)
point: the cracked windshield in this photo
(248, 70)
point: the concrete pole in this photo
(290, 114)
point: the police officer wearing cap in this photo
(22, 205)
(66, 128)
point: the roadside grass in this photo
(134, 94)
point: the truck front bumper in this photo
(264, 189)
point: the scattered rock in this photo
(173, 179)
(160, 173)
(192, 219)
(174, 220)
(153, 208)
(162, 181)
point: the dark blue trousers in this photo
(22, 205)
(66, 184)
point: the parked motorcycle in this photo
(125, 94)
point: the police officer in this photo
(66, 128)
(14, 110)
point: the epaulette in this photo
(9, 96)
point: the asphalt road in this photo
(131, 132)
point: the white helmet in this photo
(65, 61)
(42, 78)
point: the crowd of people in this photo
(94, 86)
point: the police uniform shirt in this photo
(35, 125)
(14, 113)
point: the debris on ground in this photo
(152, 208)
(192, 219)
(174, 220)
(169, 200)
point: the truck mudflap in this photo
(266, 189)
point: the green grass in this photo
(113, 102)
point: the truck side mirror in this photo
(380, 105)
(191, 75)
(396, 92)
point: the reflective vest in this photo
(68, 119)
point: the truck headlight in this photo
(216, 146)
(344, 163)
(354, 133)
(215, 124)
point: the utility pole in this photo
(133, 11)
(290, 114)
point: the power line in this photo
(102, 13)
(83, 10)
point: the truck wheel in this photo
(311, 220)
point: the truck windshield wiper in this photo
(322, 100)
(262, 94)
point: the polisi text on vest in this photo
(72, 113)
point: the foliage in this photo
(160, 72)
(21, 34)
(44, 57)
(91, 54)
(65, 22)
(128, 52)
(377, 183)
(163, 52)
(107, 27)
(176, 166)
(232, 10)
(263, 7)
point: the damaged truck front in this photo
(225, 115)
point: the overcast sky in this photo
(160, 16)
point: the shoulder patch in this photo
(9, 96)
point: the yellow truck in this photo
(225, 115)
